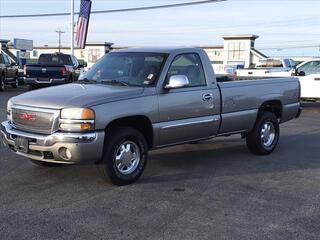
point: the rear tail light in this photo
(63, 71)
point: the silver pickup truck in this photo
(136, 100)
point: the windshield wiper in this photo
(86, 80)
(114, 81)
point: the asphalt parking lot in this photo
(212, 190)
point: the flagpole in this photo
(72, 27)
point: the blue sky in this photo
(285, 27)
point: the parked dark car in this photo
(8, 72)
(52, 69)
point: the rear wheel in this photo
(2, 83)
(125, 155)
(263, 139)
(45, 164)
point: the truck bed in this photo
(240, 101)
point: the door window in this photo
(6, 59)
(310, 68)
(189, 65)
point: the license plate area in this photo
(21, 144)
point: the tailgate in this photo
(45, 72)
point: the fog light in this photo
(65, 153)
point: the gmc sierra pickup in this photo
(135, 100)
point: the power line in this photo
(185, 4)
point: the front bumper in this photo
(49, 148)
(50, 81)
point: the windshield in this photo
(50, 59)
(128, 68)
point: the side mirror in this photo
(177, 81)
(12, 64)
(301, 73)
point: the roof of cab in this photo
(157, 49)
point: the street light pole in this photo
(72, 27)
(59, 32)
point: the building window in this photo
(94, 55)
(236, 50)
(35, 53)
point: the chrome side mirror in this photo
(177, 81)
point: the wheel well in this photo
(140, 123)
(274, 107)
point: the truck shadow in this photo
(205, 161)
(231, 158)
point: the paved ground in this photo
(215, 190)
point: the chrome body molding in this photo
(189, 123)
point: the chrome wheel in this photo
(268, 134)
(127, 157)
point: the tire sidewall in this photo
(112, 143)
(268, 117)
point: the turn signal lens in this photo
(85, 126)
(76, 127)
(77, 113)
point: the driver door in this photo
(191, 112)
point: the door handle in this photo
(317, 79)
(207, 97)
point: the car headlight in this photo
(77, 119)
(9, 111)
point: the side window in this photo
(189, 65)
(1, 59)
(6, 59)
(310, 68)
(75, 60)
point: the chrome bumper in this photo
(50, 81)
(48, 148)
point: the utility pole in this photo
(59, 32)
(72, 28)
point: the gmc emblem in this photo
(27, 117)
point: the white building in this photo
(236, 50)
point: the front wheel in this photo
(125, 155)
(264, 137)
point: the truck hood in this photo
(75, 95)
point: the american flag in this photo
(83, 23)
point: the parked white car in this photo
(309, 76)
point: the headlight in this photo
(77, 119)
(9, 111)
(77, 113)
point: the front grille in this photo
(31, 120)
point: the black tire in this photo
(2, 83)
(45, 164)
(114, 141)
(256, 142)
(16, 84)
